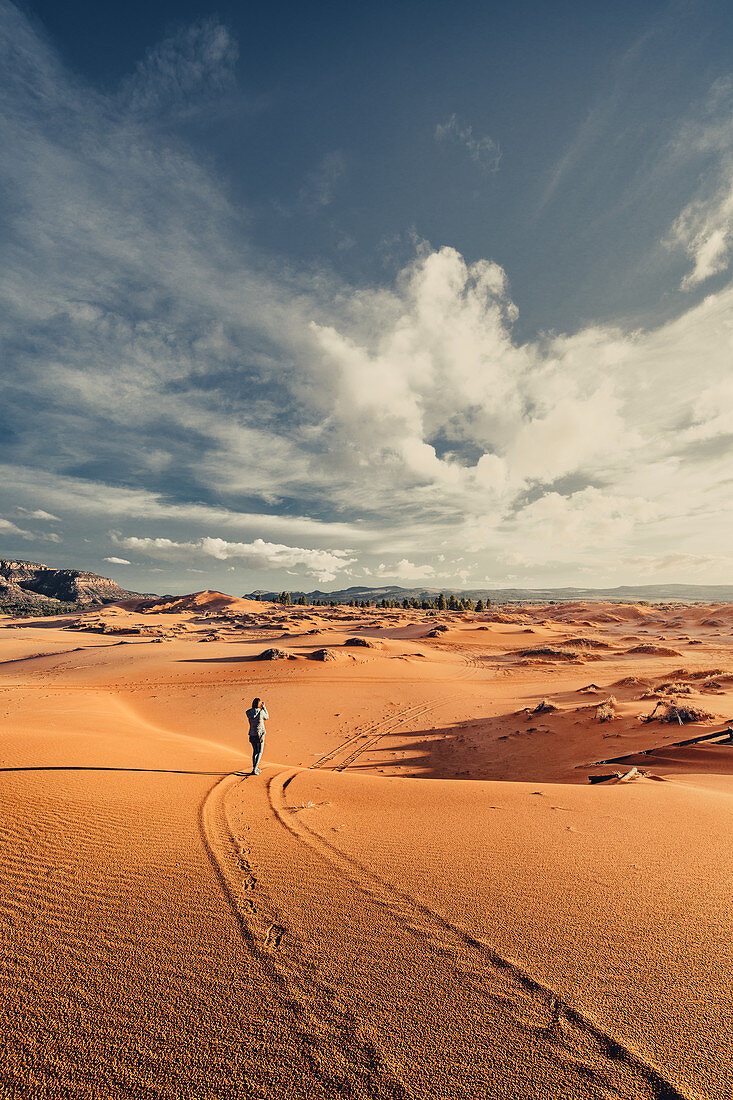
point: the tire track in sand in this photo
(607, 1066)
(369, 735)
(366, 737)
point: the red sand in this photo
(421, 896)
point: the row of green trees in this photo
(286, 599)
(438, 603)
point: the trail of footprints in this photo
(332, 1044)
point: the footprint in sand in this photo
(273, 936)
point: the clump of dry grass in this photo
(699, 674)
(632, 681)
(654, 650)
(674, 688)
(585, 643)
(544, 707)
(323, 655)
(673, 712)
(606, 712)
(547, 651)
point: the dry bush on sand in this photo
(548, 651)
(673, 712)
(654, 650)
(606, 711)
(544, 707)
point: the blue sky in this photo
(333, 294)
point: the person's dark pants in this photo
(258, 745)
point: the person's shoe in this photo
(256, 771)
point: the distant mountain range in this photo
(695, 593)
(28, 586)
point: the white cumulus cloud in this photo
(405, 570)
(324, 565)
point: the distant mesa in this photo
(28, 587)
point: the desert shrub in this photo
(273, 655)
(673, 712)
(544, 707)
(323, 655)
(547, 651)
(606, 711)
(654, 650)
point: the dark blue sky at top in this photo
(603, 85)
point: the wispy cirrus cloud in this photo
(185, 73)
(38, 513)
(483, 151)
(704, 228)
(320, 186)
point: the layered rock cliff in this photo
(27, 584)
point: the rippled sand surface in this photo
(421, 896)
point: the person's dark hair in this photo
(256, 703)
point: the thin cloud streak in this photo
(483, 151)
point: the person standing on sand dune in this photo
(257, 714)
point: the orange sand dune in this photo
(197, 601)
(421, 896)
